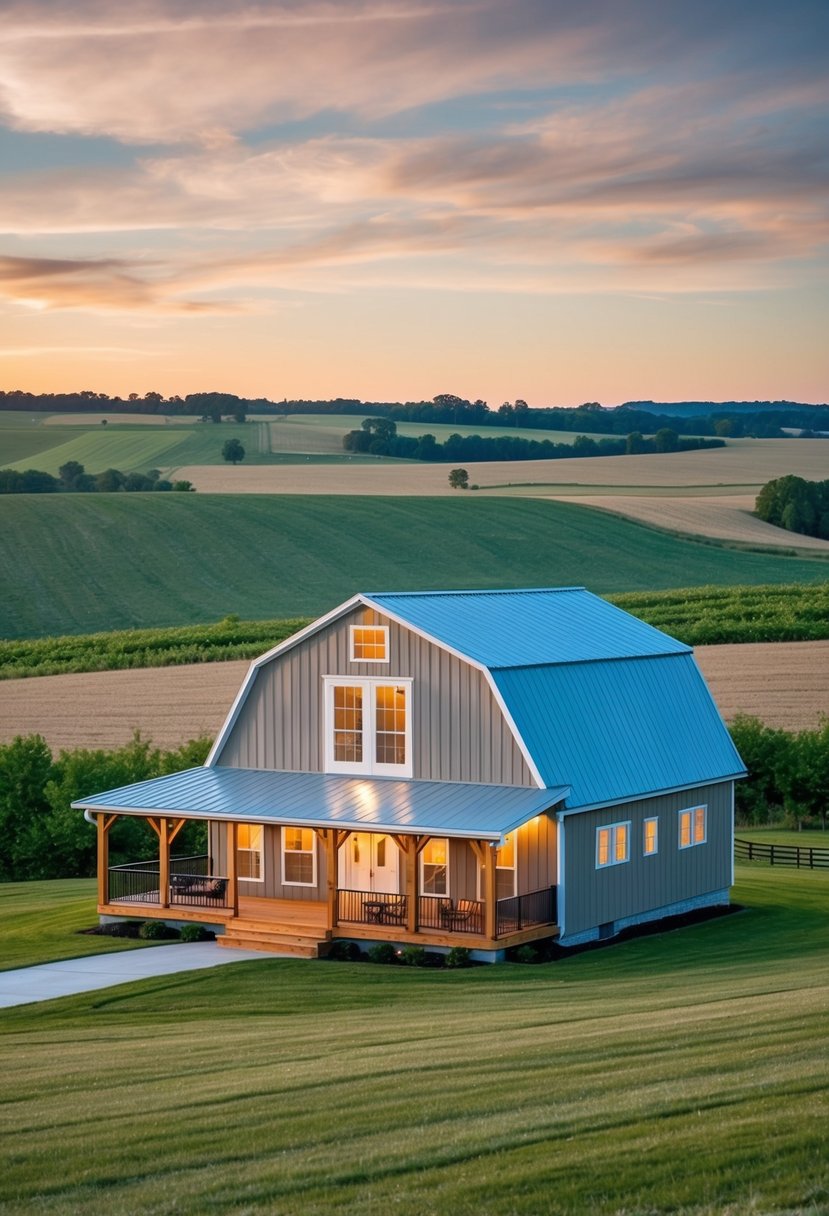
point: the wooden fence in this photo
(800, 856)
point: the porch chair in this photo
(460, 913)
(394, 911)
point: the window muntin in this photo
(693, 827)
(612, 845)
(434, 867)
(369, 643)
(650, 838)
(368, 727)
(299, 857)
(249, 852)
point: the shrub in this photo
(413, 956)
(382, 952)
(195, 933)
(345, 952)
(525, 954)
(459, 956)
(157, 931)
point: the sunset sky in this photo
(595, 200)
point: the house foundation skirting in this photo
(711, 899)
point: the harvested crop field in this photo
(744, 463)
(785, 683)
(723, 517)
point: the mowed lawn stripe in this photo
(682, 1072)
(83, 563)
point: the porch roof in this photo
(483, 812)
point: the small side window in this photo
(693, 827)
(369, 643)
(612, 845)
(650, 843)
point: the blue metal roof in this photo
(525, 628)
(622, 728)
(325, 800)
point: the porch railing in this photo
(191, 883)
(372, 908)
(461, 916)
(525, 911)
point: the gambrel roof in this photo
(598, 700)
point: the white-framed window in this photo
(368, 726)
(299, 857)
(650, 837)
(434, 867)
(369, 644)
(505, 868)
(693, 827)
(249, 852)
(612, 845)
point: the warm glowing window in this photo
(651, 840)
(693, 827)
(505, 868)
(612, 844)
(368, 727)
(434, 867)
(370, 643)
(249, 851)
(390, 724)
(299, 857)
(348, 724)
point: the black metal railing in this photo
(802, 857)
(524, 911)
(191, 883)
(449, 915)
(372, 908)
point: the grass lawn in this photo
(41, 922)
(85, 563)
(814, 838)
(682, 1073)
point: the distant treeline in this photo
(798, 505)
(379, 437)
(73, 478)
(761, 420)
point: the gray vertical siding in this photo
(598, 896)
(458, 730)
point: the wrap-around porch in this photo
(193, 888)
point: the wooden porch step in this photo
(246, 935)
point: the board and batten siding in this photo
(458, 730)
(672, 876)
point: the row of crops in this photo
(700, 616)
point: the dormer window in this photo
(369, 643)
(368, 726)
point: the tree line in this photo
(42, 837)
(73, 478)
(379, 437)
(798, 505)
(759, 420)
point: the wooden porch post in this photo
(490, 855)
(104, 823)
(164, 862)
(332, 857)
(232, 873)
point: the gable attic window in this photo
(693, 827)
(369, 644)
(612, 845)
(368, 727)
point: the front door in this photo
(369, 862)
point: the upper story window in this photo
(369, 643)
(693, 827)
(368, 727)
(612, 845)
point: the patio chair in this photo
(394, 911)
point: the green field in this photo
(84, 563)
(683, 1073)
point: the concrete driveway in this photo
(46, 981)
